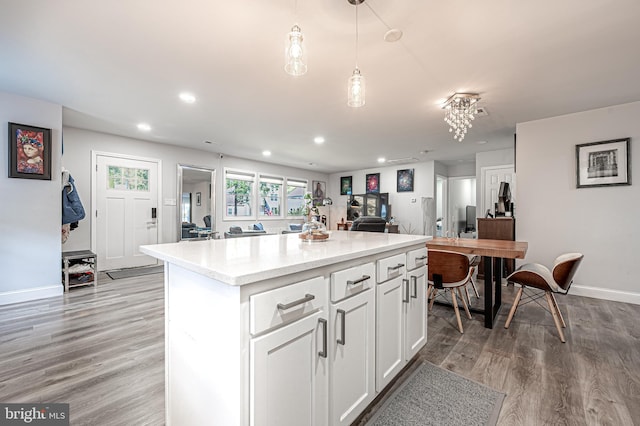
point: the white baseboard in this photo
(17, 296)
(606, 294)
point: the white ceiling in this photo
(113, 64)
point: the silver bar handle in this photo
(305, 299)
(343, 337)
(323, 352)
(414, 281)
(398, 266)
(405, 290)
(359, 280)
(421, 257)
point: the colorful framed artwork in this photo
(29, 152)
(345, 185)
(604, 163)
(319, 192)
(373, 183)
(405, 180)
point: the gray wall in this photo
(555, 217)
(30, 211)
(77, 158)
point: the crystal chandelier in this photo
(460, 110)
(356, 86)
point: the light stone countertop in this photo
(240, 261)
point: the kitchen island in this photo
(274, 330)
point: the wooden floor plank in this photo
(102, 350)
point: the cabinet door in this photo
(389, 330)
(415, 313)
(352, 381)
(288, 375)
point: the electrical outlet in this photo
(413, 200)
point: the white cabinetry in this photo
(352, 336)
(390, 293)
(401, 313)
(289, 372)
(415, 308)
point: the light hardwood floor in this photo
(101, 350)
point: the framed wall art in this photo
(346, 183)
(29, 152)
(405, 180)
(198, 198)
(373, 183)
(319, 192)
(603, 163)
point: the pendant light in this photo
(294, 52)
(356, 87)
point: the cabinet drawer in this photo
(286, 304)
(351, 281)
(416, 258)
(391, 267)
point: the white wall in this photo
(79, 143)
(30, 211)
(555, 217)
(406, 211)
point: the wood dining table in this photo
(493, 251)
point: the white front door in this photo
(491, 178)
(127, 210)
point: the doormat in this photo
(135, 272)
(435, 396)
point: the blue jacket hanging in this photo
(72, 210)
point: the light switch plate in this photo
(169, 201)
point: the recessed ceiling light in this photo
(318, 139)
(266, 153)
(481, 142)
(381, 160)
(144, 127)
(187, 98)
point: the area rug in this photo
(135, 272)
(435, 396)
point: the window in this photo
(239, 190)
(270, 196)
(295, 197)
(128, 179)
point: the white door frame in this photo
(94, 201)
(483, 186)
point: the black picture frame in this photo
(373, 183)
(346, 185)
(198, 198)
(29, 152)
(404, 182)
(604, 163)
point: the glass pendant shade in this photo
(356, 89)
(294, 53)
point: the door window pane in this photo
(128, 179)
